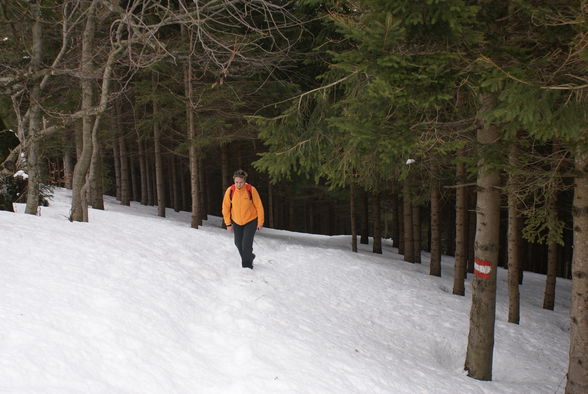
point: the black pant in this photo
(244, 241)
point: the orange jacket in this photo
(243, 209)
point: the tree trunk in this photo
(552, 258)
(96, 190)
(202, 191)
(416, 233)
(408, 227)
(353, 215)
(364, 201)
(377, 247)
(435, 263)
(395, 225)
(116, 157)
(461, 212)
(400, 217)
(67, 167)
(578, 360)
(270, 203)
(175, 186)
(33, 154)
(159, 180)
(125, 198)
(193, 150)
(79, 204)
(480, 347)
(513, 239)
(225, 170)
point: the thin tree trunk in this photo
(95, 179)
(435, 263)
(461, 212)
(552, 258)
(67, 166)
(79, 203)
(408, 227)
(125, 198)
(203, 203)
(142, 171)
(33, 154)
(513, 239)
(270, 202)
(116, 157)
(400, 217)
(578, 360)
(159, 180)
(552, 249)
(149, 169)
(395, 226)
(377, 247)
(193, 150)
(175, 187)
(364, 201)
(225, 170)
(353, 215)
(416, 233)
(480, 347)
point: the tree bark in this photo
(33, 154)
(159, 180)
(416, 233)
(125, 197)
(400, 217)
(352, 212)
(408, 227)
(435, 263)
(364, 201)
(67, 166)
(377, 247)
(552, 258)
(96, 189)
(116, 157)
(193, 150)
(395, 225)
(79, 203)
(461, 212)
(578, 360)
(480, 347)
(513, 239)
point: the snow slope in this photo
(135, 303)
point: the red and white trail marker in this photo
(482, 268)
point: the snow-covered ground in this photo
(135, 303)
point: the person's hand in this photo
(230, 229)
(259, 228)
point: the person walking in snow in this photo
(243, 215)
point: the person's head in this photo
(240, 178)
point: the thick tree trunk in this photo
(461, 212)
(578, 360)
(377, 247)
(416, 233)
(513, 239)
(435, 264)
(79, 204)
(480, 347)
(353, 214)
(407, 223)
(364, 215)
(33, 154)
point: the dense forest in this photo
(452, 126)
